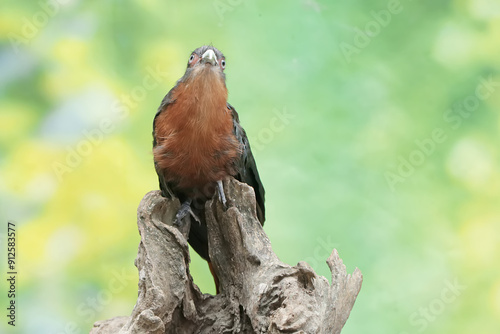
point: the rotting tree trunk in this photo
(259, 294)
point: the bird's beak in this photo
(209, 57)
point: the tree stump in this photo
(259, 293)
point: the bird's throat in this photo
(203, 97)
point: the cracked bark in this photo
(259, 293)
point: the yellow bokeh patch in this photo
(69, 70)
(495, 299)
(16, 119)
(481, 240)
(10, 22)
(29, 161)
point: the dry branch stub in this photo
(259, 293)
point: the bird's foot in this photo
(194, 216)
(222, 196)
(185, 210)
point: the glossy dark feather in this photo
(247, 168)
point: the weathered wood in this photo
(259, 293)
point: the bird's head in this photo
(205, 61)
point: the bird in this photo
(198, 141)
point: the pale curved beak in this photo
(209, 57)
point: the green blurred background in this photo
(375, 126)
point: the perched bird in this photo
(198, 141)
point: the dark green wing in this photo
(247, 169)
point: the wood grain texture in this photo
(259, 293)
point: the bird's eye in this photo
(191, 58)
(223, 64)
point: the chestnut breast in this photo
(196, 145)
